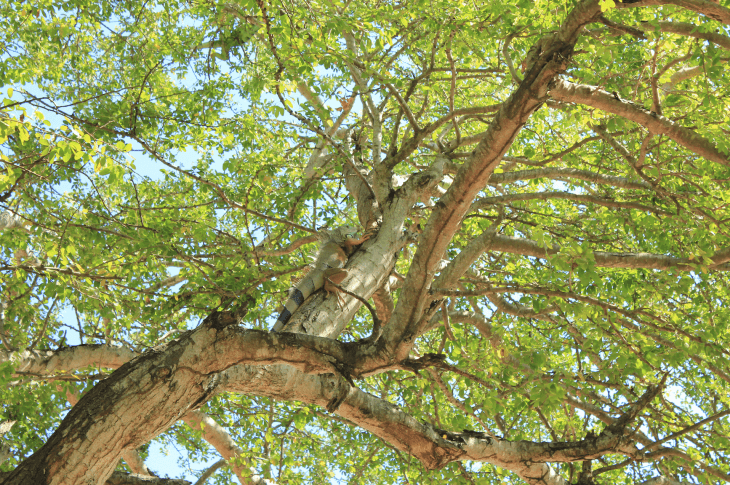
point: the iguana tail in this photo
(309, 284)
(331, 255)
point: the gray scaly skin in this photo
(337, 246)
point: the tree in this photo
(541, 298)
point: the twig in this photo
(222, 194)
(404, 107)
(452, 91)
(516, 78)
(376, 320)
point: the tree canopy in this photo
(540, 295)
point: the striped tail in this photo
(311, 283)
(296, 298)
(330, 256)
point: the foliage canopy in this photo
(544, 185)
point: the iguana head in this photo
(342, 233)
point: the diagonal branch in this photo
(710, 8)
(691, 30)
(219, 438)
(436, 447)
(656, 124)
(404, 106)
(550, 57)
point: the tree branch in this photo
(551, 56)
(569, 174)
(656, 124)
(580, 198)
(219, 438)
(706, 7)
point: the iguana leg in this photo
(352, 242)
(336, 276)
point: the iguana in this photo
(337, 246)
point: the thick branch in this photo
(692, 30)
(551, 56)
(706, 7)
(47, 362)
(154, 391)
(433, 447)
(656, 124)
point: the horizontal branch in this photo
(580, 198)
(121, 478)
(67, 359)
(529, 247)
(568, 174)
